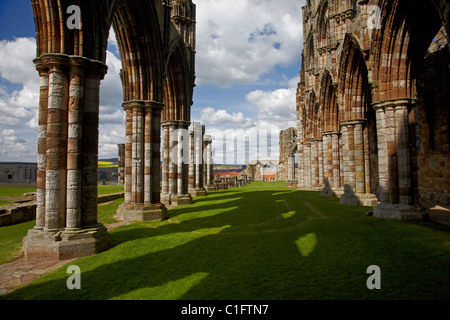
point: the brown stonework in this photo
(157, 77)
(384, 91)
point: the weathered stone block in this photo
(144, 212)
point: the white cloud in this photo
(19, 102)
(110, 136)
(240, 40)
(221, 118)
(278, 105)
(111, 93)
(276, 111)
(16, 62)
(15, 147)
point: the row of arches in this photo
(360, 116)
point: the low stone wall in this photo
(110, 197)
(19, 213)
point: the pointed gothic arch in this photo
(71, 64)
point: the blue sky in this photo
(247, 67)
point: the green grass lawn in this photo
(261, 242)
(104, 190)
(10, 193)
(11, 240)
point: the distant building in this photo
(18, 173)
(262, 170)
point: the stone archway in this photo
(399, 49)
(71, 64)
(356, 117)
(383, 115)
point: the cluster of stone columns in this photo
(356, 164)
(331, 161)
(338, 164)
(397, 195)
(187, 164)
(66, 215)
(196, 163)
(142, 200)
(175, 170)
(208, 177)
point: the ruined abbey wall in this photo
(372, 103)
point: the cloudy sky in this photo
(247, 67)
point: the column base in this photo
(399, 211)
(182, 199)
(291, 184)
(332, 192)
(210, 188)
(366, 200)
(64, 245)
(142, 212)
(198, 193)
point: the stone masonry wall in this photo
(434, 149)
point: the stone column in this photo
(360, 183)
(198, 160)
(74, 169)
(128, 154)
(191, 162)
(394, 162)
(165, 195)
(142, 186)
(291, 167)
(42, 147)
(307, 173)
(355, 192)
(155, 170)
(182, 149)
(121, 166)
(137, 171)
(209, 164)
(301, 164)
(66, 225)
(176, 175)
(56, 154)
(327, 149)
(336, 166)
(320, 161)
(314, 164)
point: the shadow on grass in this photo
(229, 266)
(221, 250)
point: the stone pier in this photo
(197, 166)
(209, 164)
(175, 163)
(396, 192)
(142, 163)
(66, 214)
